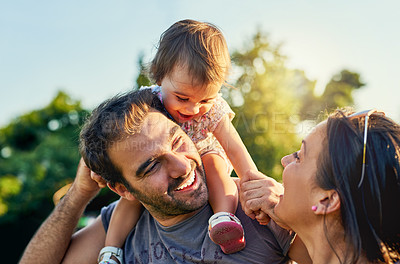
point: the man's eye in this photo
(177, 143)
(152, 167)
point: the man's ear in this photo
(121, 190)
(328, 202)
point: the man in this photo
(143, 154)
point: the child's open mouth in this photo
(183, 117)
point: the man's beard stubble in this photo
(169, 206)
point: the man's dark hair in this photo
(112, 120)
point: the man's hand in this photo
(97, 178)
(258, 196)
(87, 183)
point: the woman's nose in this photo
(178, 164)
(286, 160)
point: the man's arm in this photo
(51, 241)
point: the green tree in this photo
(265, 102)
(143, 78)
(338, 93)
(39, 155)
(271, 101)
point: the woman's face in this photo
(298, 178)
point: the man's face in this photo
(163, 168)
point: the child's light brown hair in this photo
(199, 46)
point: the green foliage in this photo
(142, 79)
(338, 93)
(265, 103)
(271, 102)
(9, 186)
(39, 155)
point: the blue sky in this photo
(90, 48)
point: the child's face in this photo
(183, 98)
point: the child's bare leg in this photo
(124, 217)
(223, 193)
(225, 228)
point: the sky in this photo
(90, 48)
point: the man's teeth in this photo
(188, 182)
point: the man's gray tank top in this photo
(188, 241)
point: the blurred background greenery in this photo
(275, 106)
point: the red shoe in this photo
(226, 230)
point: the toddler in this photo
(191, 65)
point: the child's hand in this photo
(259, 193)
(97, 178)
(262, 218)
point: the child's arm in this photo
(123, 219)
(244, 167)
(234, 147)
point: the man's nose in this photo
(178, 164)
(286, 160)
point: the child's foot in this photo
(110, 255)
(226, 230)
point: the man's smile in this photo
(188, 182)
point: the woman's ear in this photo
(329, 202)
(122, 191)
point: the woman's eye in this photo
(296, 156)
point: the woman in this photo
(341, 196)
